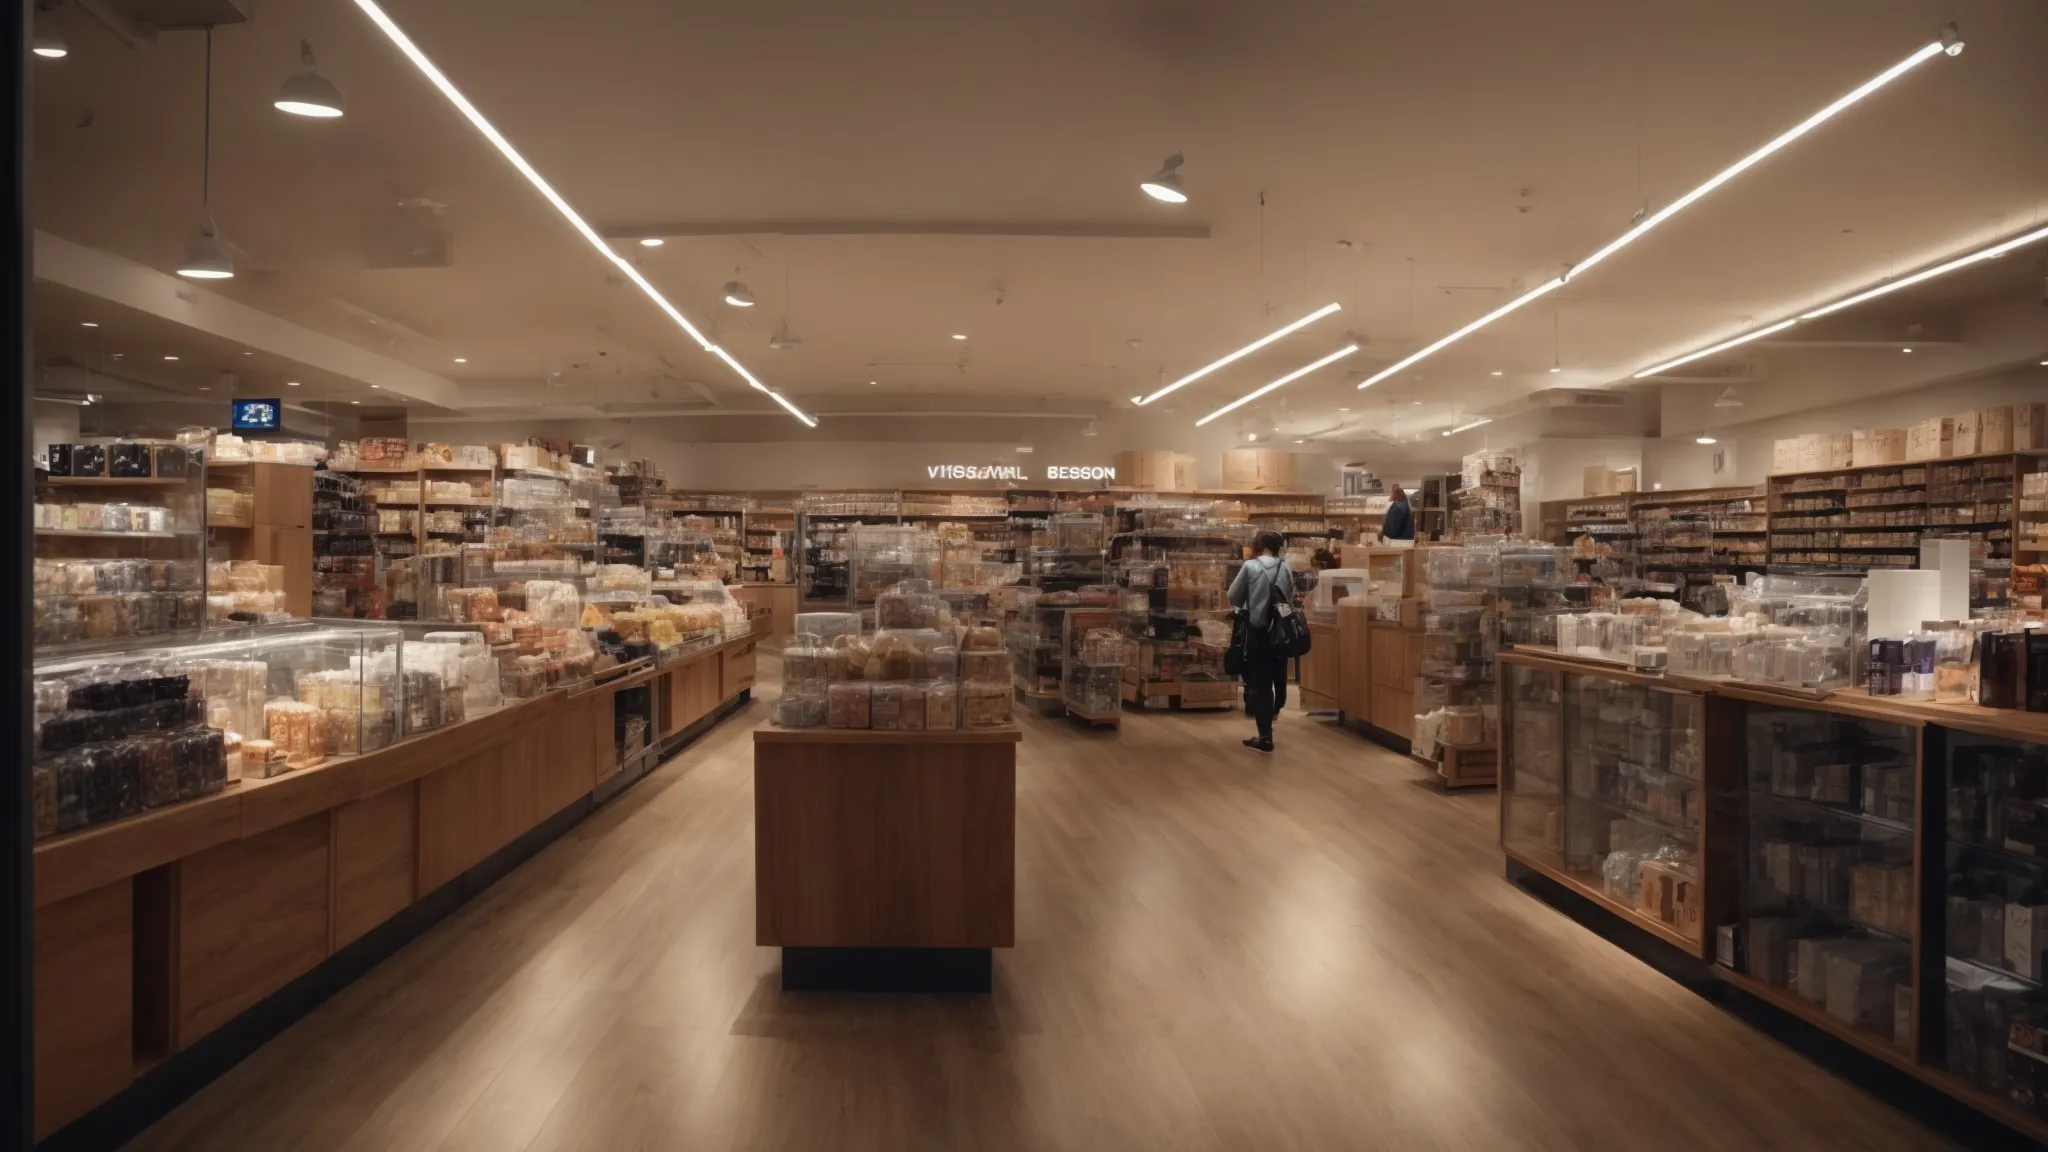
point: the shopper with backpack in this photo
(1263, 594)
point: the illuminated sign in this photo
(1017, 472)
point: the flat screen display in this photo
(256, 415)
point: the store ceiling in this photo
(1459, 148)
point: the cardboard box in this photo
(1148, 470)
(1837, 449)
(2026, 937)
(1257, 470)
(1931, 439)
(1967, 427)
(1812, 452)
(1994, 429)
(2029, 427)
(1877, 446)
(1785, 455)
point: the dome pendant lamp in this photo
(206, 258)
(1166, 184)
(308, 93)
(48, 42)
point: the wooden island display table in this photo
(886, 860)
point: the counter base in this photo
(955, 970)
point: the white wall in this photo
(1555, 469)
(54, 424)
(1677, 462)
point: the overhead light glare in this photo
(959, 335)
(652, 241)
(1533, 294)
(1704, 440)
(1241, 353)
(1282, 382)
(1926, 274)
(462, 359)
(1495, 372)
(1467, 427)
(454, 95)
(88, 324)
(291, 383)
(1926, 52)
(1907, 351)
(170, 357)
(1166, 185)
(1723, 346)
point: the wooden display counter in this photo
(1871, 866)
(781, 602)
(1321, 687)
(251, 905)
(885, 859)
(1376, 668)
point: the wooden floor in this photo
(1216, 949)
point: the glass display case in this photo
(1995, 909)
(1634, 798)
(1532, 783)
(883, 556)
(1093, 655)
(120, 542)
(1829, 907)
(347, 579)
(118, 733)
(1454, 694)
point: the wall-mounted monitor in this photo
(257, 415)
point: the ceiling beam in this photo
(131, 285)
(1071, 229)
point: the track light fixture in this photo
(1166, 185)
(1949, 42)
(206, 258)
(308, 93)
(624, 266)
(48, 43)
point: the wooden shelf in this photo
(117, 481)
(1580, 887)
(96, 534)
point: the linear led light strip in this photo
(462, 104)
(1467, 427)
(1247, 350)
(1282, 382)
(1885, 289)
(1949, 42)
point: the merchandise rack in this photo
(177, 554)
(1863, 827)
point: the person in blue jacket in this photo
(1400, 521)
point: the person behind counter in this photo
(1400, 521)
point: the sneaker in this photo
(1258, 744)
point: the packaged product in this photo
(798, 711)
(984, 705)
(846, 704)
(942, 705)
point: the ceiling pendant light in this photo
(532, 176)
(206, 258)
(1166, 185)
(784, 340)
(308, 93)
(1556, 345)
(737, 294)
(1728, 398)
(49, 43)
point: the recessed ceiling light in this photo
(1343, 409)
(1301, 441)
(170, 357)
(652, 241)
(1704, 440)
(1496, 372)
(355, 401)
(87, 324)
(206, 388)
(2044, 363)
(376, 385)
(959, 335)
(291, 383)
(1908, 351)
(1417, 403)
(462, 359)
(248, 353)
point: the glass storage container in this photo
(1532, 807)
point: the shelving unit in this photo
(147, 574)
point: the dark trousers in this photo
(1265, 681)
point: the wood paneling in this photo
(1322, 674)
(252, 916)
(86, 861)
(736, 670)
(291, 549)
(480, 804)
(885, 843)
(375, 856)
(282, 494)
(82, 1003)
(1354, 674)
